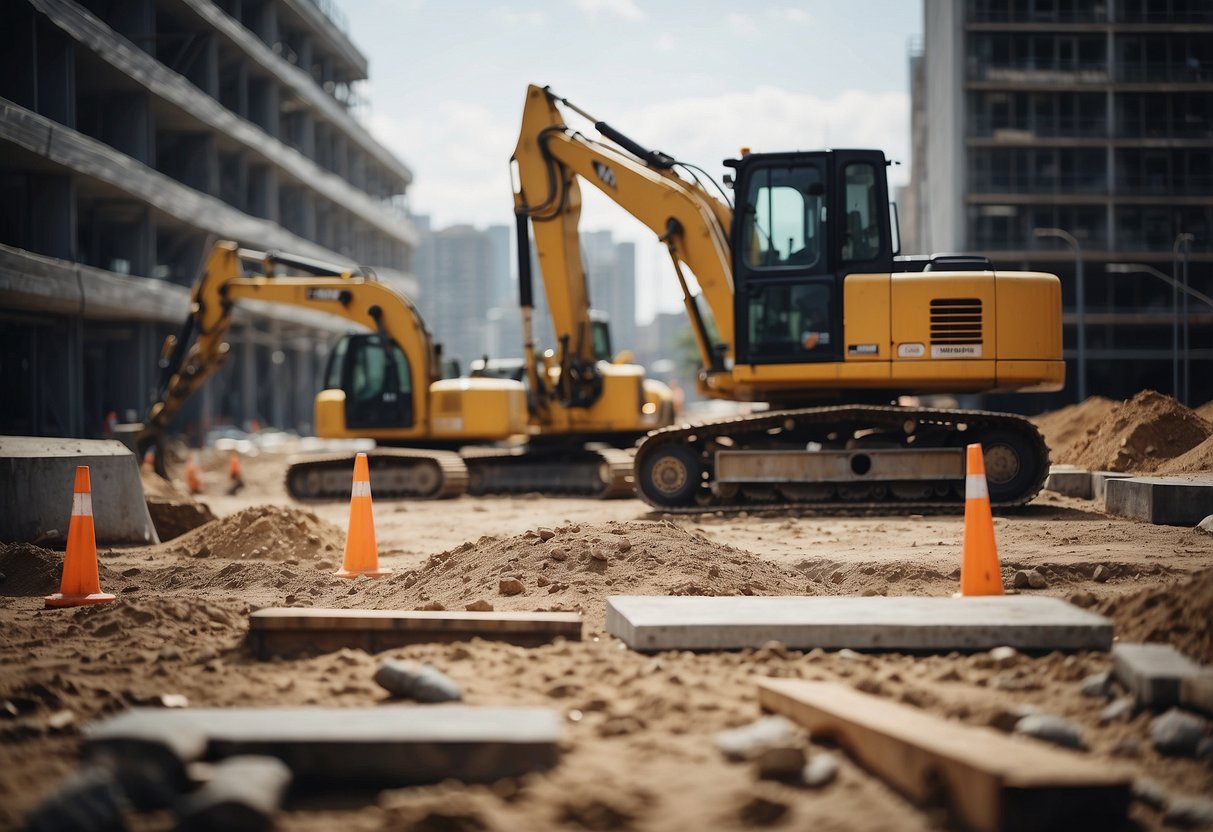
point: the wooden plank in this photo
(362, 747)
(280, 631)
(987, 780)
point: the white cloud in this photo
(742, 24)
(665, 43)
(791, 14)
(520, 18)
(626, 9)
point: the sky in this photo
(698, 79)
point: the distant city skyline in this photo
(696, 80)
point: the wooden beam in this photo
(986, 780)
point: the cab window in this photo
(784, 219)
(861, 239)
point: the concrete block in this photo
(1182, 500)
(380, 747)
(280, 631)
(243, 795)
(36, 476)
(987, 781)
(1152, 672)
(1196, 692)
(151, 763)
(1099, 483)
(874, 623)
(1069, 480)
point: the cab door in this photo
(375, 375)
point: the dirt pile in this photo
(30, 570)
(1205, 411)
(1140, 435)
(575, 567)
(264, 532)
(1194, 461)
(1179, 614)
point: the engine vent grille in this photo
(956, 321)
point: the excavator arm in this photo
(233, 275)
(551, 160)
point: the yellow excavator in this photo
(804, 303)
(386, 384)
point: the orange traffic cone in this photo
(979, 574)
(80, 584)
(149, 460)
(235, 478)
(193, 478)
(361, 553)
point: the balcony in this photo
(1041, 72)
(1039, 128)
(1062, 185)
(1143, 185)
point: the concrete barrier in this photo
(36, 475)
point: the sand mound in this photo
(1065, 428)
(579, 565)
(1194, 461)
(1205, 411)
(1139, 435)
(30, 570)
(1176, 614)
(265, 532)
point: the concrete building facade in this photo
(1092, 118)
(133, 134)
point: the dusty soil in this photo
(638, 752)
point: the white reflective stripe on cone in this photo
(82, 505)
(361, 489)
(976, 488)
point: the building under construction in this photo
(131, 135)
(1076, 137)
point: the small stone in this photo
(837, 576)
(546, 534)
(542, 580)
(1176, 733)
(1098, 685)
(558, 554)
(1029, 579)
(1119, 711)
(510, 586)
(60, 721)
(1052, 729)
(1150, 792)
(780, 762)
(434, 606)
(762, 811)
(598, 553)
(623, 546)
(713, 571)
(749, 741)
(424, 683)
(325, 565)
(1037, 580)
(1083, 599)
(1101, 574)
(1004, 656)
(1189, 812)
(1206, 525)
(821, 770)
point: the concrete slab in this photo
(36, 477)
(363, 747)
(875, 623)
(1099, 483)
(278, 631)
(1196, 692)
(988, 780)
(1182, 500)
(1069, 480)
(1152, 672)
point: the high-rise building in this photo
(1076, 137)
(611, 273)
(133, 133)
(458, 277)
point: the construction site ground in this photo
(638, 750)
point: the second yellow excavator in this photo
(436, 436)
(805, 304)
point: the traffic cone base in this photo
(979, 570)
(80, 584)
(361, 552)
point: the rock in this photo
(243, 795)
(837, 576)
(1082, 598)
(479, 605)
(780, 762)
(821, 770)
(623, 546)
(510, 586)
(598, 553)
(1004, 656)
(1129, 747)
(1101, 574)
(1020, 580)
(1006, 719)
(1189, 812)
(1206, 525)
(1052, 729)
(542, 580)
(1037, 580)
(546, 534)
(1029, 579)
(1119, 711)
(558, 554)
(1098, 685)
(1150, 792)
(1176, 733)
(434, 606)
(762, 811)
(749, 741)
(61, 721)
(424, 683)
(90, 799)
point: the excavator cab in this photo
(373, 371)
(804, 221)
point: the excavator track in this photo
(908, 460)
(604, 473)
(395, 474)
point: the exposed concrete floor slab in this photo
(1182, 500)
(861, 623)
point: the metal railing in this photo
(1075, 127)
